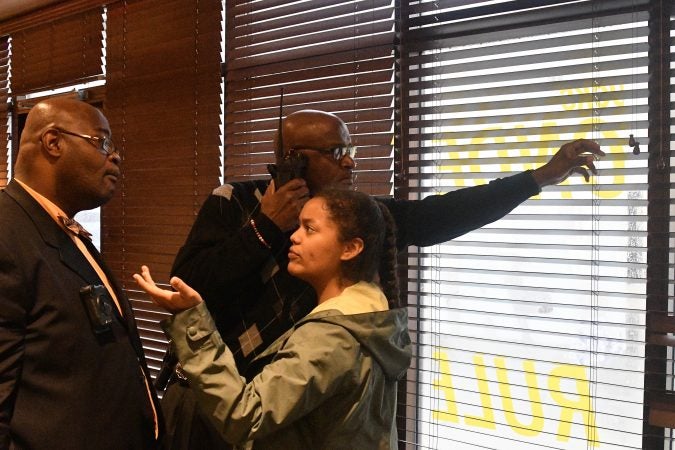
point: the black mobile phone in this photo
(98, 304)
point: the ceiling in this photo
(13, 8)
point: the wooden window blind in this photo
(4, 92)
(65, 51)
(163, 102)
(46, 14)
(335, 56)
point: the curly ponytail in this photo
(388, 267)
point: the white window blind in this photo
(530, 331)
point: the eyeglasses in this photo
(103, 144)
(337, 153)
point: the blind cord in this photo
(591, 441)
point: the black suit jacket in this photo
(62, 386)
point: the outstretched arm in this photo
(440, 218)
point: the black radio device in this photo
(290, 166)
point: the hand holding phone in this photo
(293, 165)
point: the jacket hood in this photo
(383, 334)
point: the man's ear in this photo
(351, 249)
(51, 141)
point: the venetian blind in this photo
(335, 56)
(163, 103)
(64, 51)
(4, 88)
(529, 332)
(48, 13)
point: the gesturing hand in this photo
(173, 302)
(571, 158)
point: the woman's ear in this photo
(351, 249)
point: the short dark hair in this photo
(357, 215)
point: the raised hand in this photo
(172, 301)
(571, 158)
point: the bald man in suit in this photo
(72, 370)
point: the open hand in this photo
(172, 301)
(571, 158)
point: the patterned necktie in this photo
(75, 227)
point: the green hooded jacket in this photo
(332, 384)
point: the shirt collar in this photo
(49, 206)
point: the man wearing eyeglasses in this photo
(72, 370)
(236, 253)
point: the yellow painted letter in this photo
(488, 419)
(444, 384)
(536, 425)
(580, 404)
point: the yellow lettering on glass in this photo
(444, 385)
(571, 404)
(536, 424)
(586, 132)
(488, 418)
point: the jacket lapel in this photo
(54, 236)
